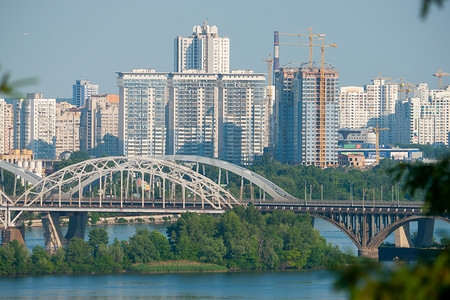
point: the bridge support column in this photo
(10, 234)
(366, 252)
(403, 237)
(425, 233)
(54, 239)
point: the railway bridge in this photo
(177, 184)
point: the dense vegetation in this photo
(242, 238)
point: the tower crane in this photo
(310, 35)
(321, 107)
(403, 86)
(377, 142)
(270, 100)
(439, 75)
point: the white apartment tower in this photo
(424, 118)
(381, 100)
(34, 125)
(67, 136)
(217, 115)
(142, 106)
(6, 126)
(204, 50)
(353, 107)
(100, 125)
(82, 90)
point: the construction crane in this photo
(377, 142)
(322, 162)
(270, 98)
(403, 86)
(439, 75)
(310, 35)
(322, 102)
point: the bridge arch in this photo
(276, 192)
(383, 234)
(76, 178)
(21, 172)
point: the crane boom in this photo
(439, 75)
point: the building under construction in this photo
(306, 114)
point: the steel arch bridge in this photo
(160, 185)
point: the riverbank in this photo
(176, 266)
(116, 220)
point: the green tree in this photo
(97, 237)
(78, 256)
(141, 249)
(41, 261)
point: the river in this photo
(315, 284)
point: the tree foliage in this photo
(241, 238)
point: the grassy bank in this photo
(176, 266)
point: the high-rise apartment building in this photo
(353, 107)
(142, 108)
(82, 90)
(67, 129)
(242, 119)
(6, 126)
(193, 114)
(34, 125)
(424, 118)
(212, 115)
(381, 100)
(307, 120)
(217, 115)
(204, 50)
(100, 125)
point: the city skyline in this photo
(59, 48)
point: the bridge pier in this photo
(425, 233)
(10, 234)
(366, 252)
(53, 237)
(403, 237)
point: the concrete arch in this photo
(21, 172)
(76, 177)
(346, 232)
(383, 234)
(269, 187)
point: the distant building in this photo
(67, 128)
(217, 115)
(354, 109)
(355, 136)
(142, 112)
(212, 115)
(25, 159)
(307, 129)
(100, 125)
(381, 99)
(82, 90)
(424, 118)
(354, 160)
(6, 126)
(35, 125)
(204, 50)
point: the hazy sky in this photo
(62, 41)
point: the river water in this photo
(231, 285)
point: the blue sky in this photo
(62, 41)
